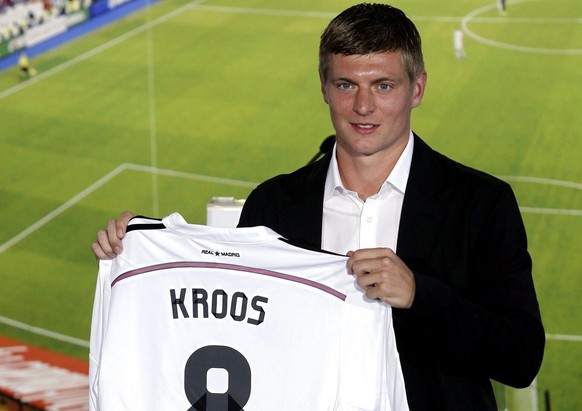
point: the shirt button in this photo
(369, 219)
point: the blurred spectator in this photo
(26, 70)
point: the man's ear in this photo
(418, 89)
(323, 90)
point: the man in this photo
(442, 243)
(24, 66)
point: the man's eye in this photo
(344, 86)
(384, 86)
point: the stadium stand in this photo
(64, 21)
(34, 379)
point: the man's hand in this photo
(383, 276)
(108, 243)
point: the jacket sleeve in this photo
(477, 308)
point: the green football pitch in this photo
(185, 100)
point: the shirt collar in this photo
(398, 178)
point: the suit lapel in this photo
(424, 207)
(304, 214)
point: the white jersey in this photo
(192, 317)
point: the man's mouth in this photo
(364, 127)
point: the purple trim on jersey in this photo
(233, 267)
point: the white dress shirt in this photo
(350, 223)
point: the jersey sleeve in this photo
(98, 327)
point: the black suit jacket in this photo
(475, 315)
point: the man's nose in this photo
(364, 102)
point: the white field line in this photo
(41, 331)
(547, 181)
(191, 176)
(564, 337)
(267, 12)
(552, 211)
(474, 17)
(447, 19)
(64, 207)
(105, 179)
(526, 20)
(551, 182)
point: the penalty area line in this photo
(104, 180)
(58, 211)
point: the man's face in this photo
(370, 100)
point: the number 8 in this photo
(239, 379)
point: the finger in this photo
(363, 258)
(101, 247)
(367, 280)
(371, 289)
(113, 237)
(99, 253)
(122, 222)
(366, 267)
(370, 253)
